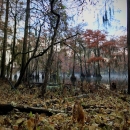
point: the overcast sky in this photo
(89, 16)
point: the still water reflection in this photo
(120, 79)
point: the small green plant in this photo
(38, 128)
(30, 114)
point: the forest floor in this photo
(103, 109)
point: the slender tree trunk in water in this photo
(85, 66)
(128, 42)
(73, 78)
(73, 66)
(98, 70)
(24, 55)
(109, 72)
(58, 72)
(98, 66)
(109, 65)
(95, 65)
(81, 68)
(50, 57)
(14, 41)
(3, 60)
(124, 62)
(47, 70)
(63, 81)
(88, 74)
(82, 76)
(8, 69)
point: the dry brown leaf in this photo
(78, 113)
(30, 124)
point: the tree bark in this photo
(24, 55)
(14, 40)
(81, 67)
(98, 64)
(128, 42)
(3, 60)
(73, 78)
(50, 56)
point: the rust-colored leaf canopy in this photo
(109, 43)
(95, 59)
(94, 38)
(122, 41)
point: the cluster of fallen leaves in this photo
(103, 110)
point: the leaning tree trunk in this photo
(50, 56)
(73, 78)
(24, 55)
(14, 40)
(3, 60)
(128, 42)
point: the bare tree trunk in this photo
(50, 56)
(88, 74)
(3, 60)
(14, 40)
(95, 65)
(124, 62)
(81, 67)
(98, 65)
(73, 78)
(128, 42)
(31, 58)
(85, 66)
(24, 55)
(109, 72)
(73, 71)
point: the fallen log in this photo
(33, 110)
(6, 108)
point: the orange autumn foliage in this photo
(93, 38)
(95, 59)
(78, 113)
(93, 45)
